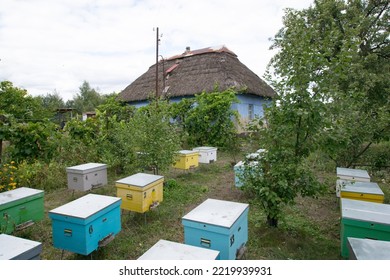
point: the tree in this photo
(113, 110)
(330, 73)
(19, 111)
(87, 99)
(155, 137)
(16, 102)
(339, 52)
(208, 118)
(280, 174)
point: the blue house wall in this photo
(249, 106)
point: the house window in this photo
(251, 114)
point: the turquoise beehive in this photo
(218, 225)
(87, 223)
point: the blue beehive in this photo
(239, 169)
(218, 225)
(85, 224)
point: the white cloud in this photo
(55, 45)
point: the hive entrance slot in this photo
(241, 252)
(154, 205)
(103, 242)
(24, 225)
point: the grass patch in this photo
(310, 229)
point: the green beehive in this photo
(20, 208)
(363, 219)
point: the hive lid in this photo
(18, 194)
(85, 206)
(217, 212)
(359, 173)
(250, 163)
(204, 148)
(12, 247)
(140, 179)
(360, 187)
(252, 156)
(86, 167)
(168, 250)
(365, 211)
(187, 152)
(368, 249)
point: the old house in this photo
(197, 71)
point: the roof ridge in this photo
(189, 52)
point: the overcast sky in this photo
(54, 45)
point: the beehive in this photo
(206, 154)
(186, 159)
(168, 250)
(350, 174)
(218, 225)
(86, 176)
(362, 219)
(87, 223)
(239, 170)
(366, 191)
(140, 192)
(368, 249)
(20, 208)
(16, 248)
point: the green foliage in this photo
(118, 149)
(377, 158)
(86, 100)
(330, 74)
(25, 123)
(16, 102)
(73, 151)
(42, 175)
(208, 119)
(339, 52)
(49, 104)
(8, 176)
(33, 141)
(86, 131)
(113, 110)
(155, 136)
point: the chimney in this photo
(188, 49)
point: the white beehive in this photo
(168, 250)
(16, 248)
(86, 176)
(206, 154)
(358, 175)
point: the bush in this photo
(41, 175)
(8, 178)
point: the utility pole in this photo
(157, 41)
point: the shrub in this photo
(41, 175)
(8, 178)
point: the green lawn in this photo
(310, 229)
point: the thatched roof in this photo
(194, 72)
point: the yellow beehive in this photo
(186, 159)
(140, 192)
(366, 191)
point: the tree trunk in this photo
(272, 222)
